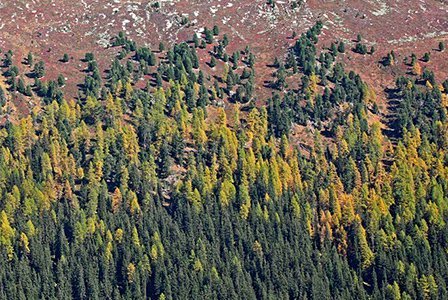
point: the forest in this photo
(182, 186)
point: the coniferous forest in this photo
(185, 187)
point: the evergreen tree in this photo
(65, 58)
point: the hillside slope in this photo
(288, 153)
(51, 28)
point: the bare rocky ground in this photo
(50, 28)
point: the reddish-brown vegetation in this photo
(51, 28)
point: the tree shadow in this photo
(31, 75)
(218, 78)
(326, 133)
(391, 120)
(269, 84)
